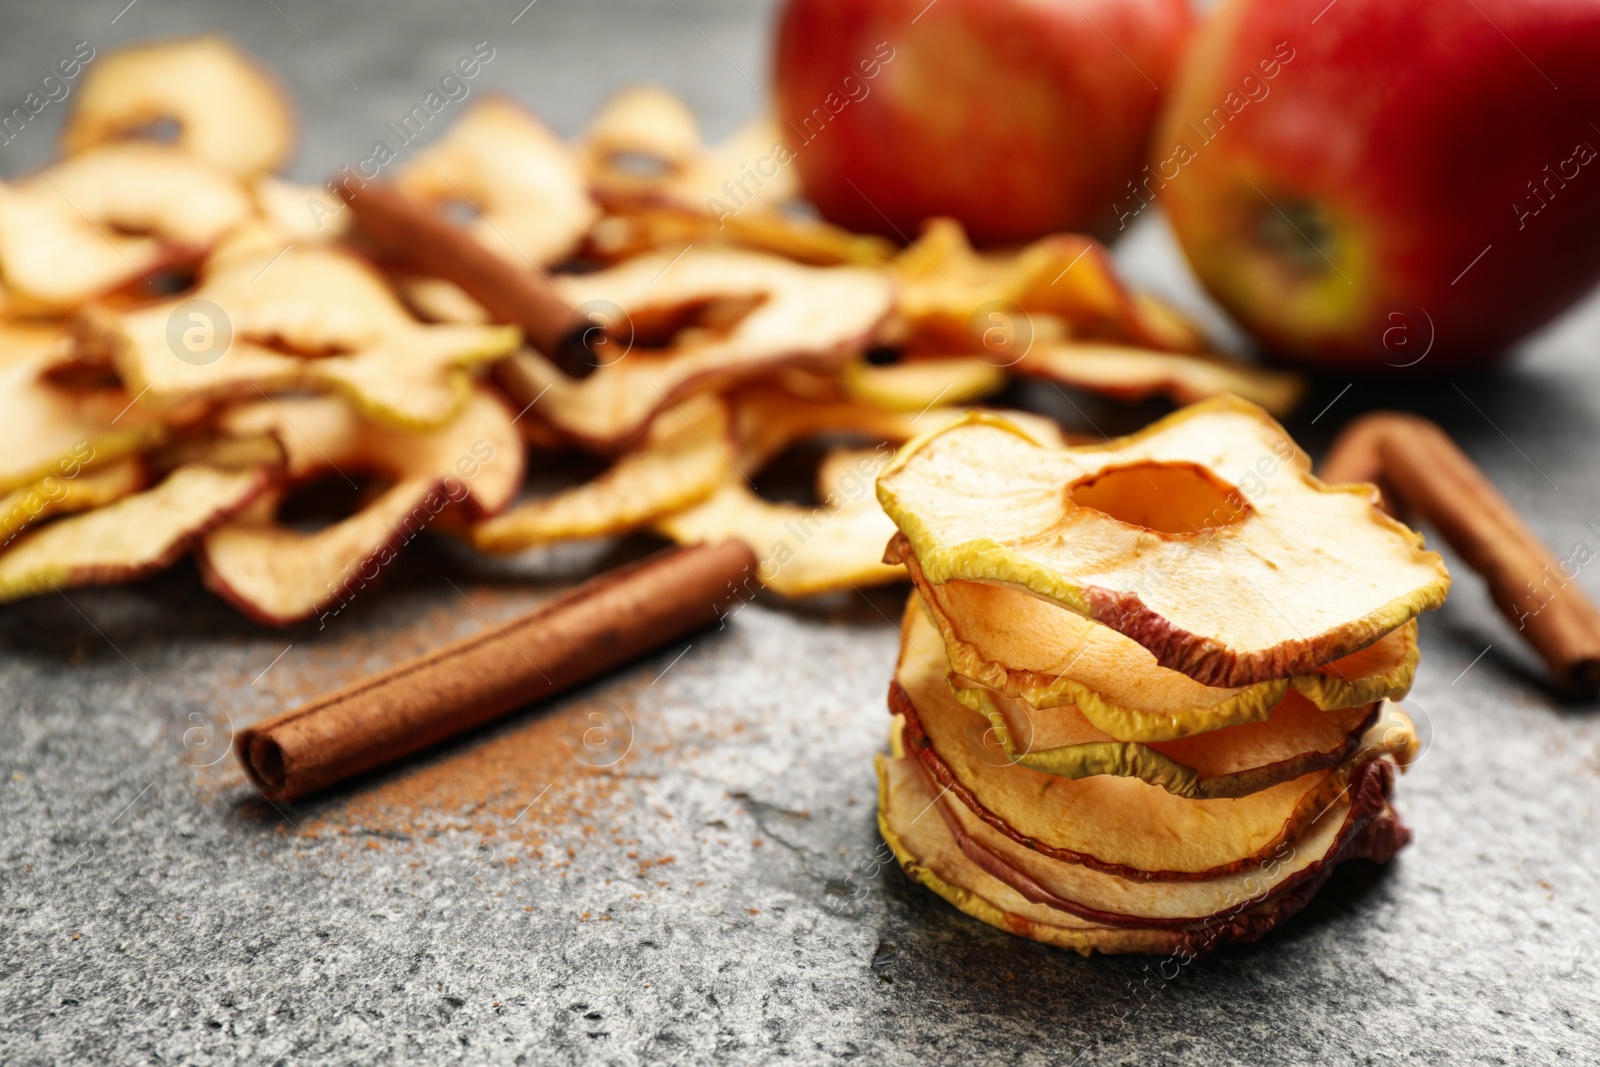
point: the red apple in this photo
(1371, 182)
(1016, 117)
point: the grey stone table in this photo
(714, 892)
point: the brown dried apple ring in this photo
(98, 221)
(644, 149)
(1081, 909)
(228, 108)
(1036, 651)
(1296, 739)
(796, 316)
(281, 576)
(135, 536)
(685, 460)
(1159, 836)
(299, 317)
(1203, 537)
(525, 183)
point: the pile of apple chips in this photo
(1145, 693)
(192, 345)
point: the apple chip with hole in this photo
(1204, 538)
(987, 876)
(298, 317)
(280, 575)
(698, 321)
(227, 108)
(1292, 738)
(524, 184)
(644, 149)
(111, 218)
(1112, 823)
(838, 543)
(137, 535)
(1058, 310)
(1035, 651)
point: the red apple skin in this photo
(1016, 117)
(1406, 140)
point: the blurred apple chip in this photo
(111, 216)
(302, 317)
(51, 429)
(917, 384)
(644, 148)
(62, 494)
(228, 109)
(130, 538)
(523, 182)
(1127, 373)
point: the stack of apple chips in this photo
(1144, 699)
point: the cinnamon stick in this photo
(1529, 584)
(1356, 457)
(601, 624)
(415, 234)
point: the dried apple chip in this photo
(1058, 310)
(917, 384)
(803, 551)
(644, 148)
(228, 108)
(1127, 373)
(133, 537)
(945, 284)
(642, 125)
(101, 220)
(1036, 651)
(926, 851)
(49, 430)
(1296, 739)
(280, 576)
(685, 460)
(301, 212)
(793, 315)
(992, 879)
(68, 492)
(1116, 825)
(637, 231)
(1204, 538)
(525, 183)
(299, 317)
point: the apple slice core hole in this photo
(1168, 498)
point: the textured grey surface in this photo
(154, 912)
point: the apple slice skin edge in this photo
(1372, 832)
